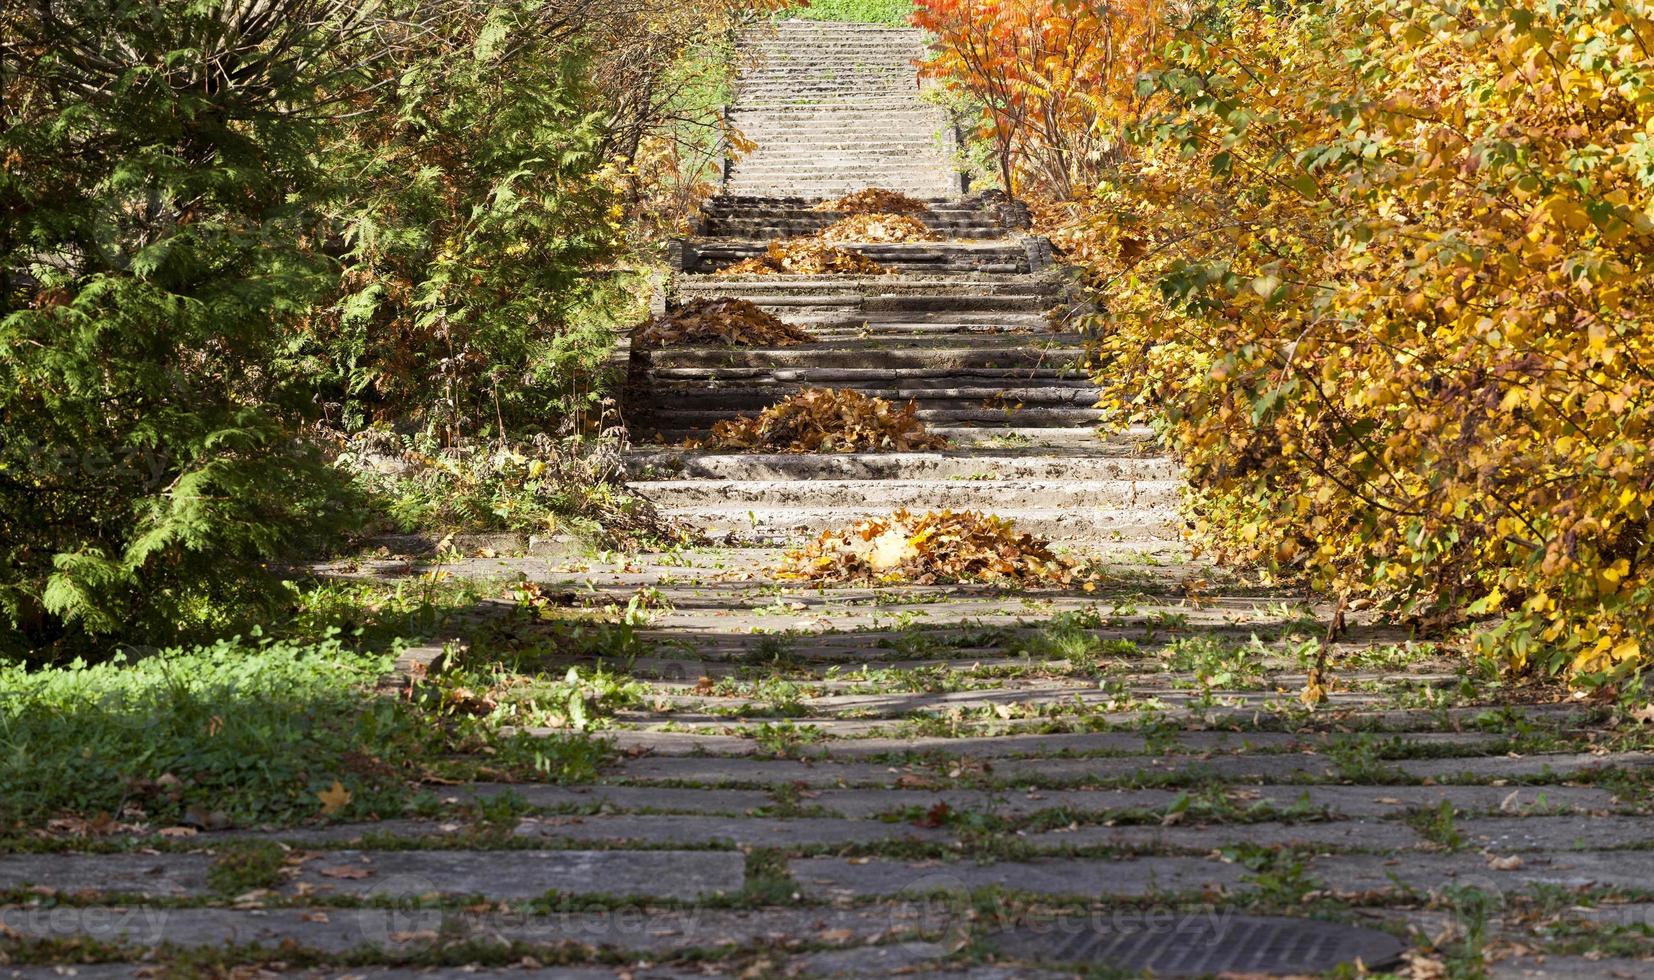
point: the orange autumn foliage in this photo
(1054, 80)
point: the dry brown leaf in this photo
(826, 420)
(940, 546)
(805, 257)
(878, 228)
(875, 200)
(345, 871)
(735, 322)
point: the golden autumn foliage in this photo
(875, 200)
(804, 257)
(939, 546)
(1385, 272)
(723, 320)
(827, 420)
(877, 228)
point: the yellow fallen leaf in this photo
(334, 798)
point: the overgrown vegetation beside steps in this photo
(306, 723)
(423, 219)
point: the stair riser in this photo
(791, 358)
(895, 466)
(1068, 386)
(883, 496)
(1035, 417)
(782, 528)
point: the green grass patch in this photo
(893, 12)
(244, 731)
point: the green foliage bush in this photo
(479, 204)
(157, 262)
(539, 485)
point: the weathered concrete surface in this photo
(150, 875)
(713, 771)
(742, 832)
(1493, 873)
(1556, 833)
(633, 928)
(1571, 968)
(839, 878)
(521, 874)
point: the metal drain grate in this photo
(1200, 944)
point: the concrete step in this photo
(742, 524)
(1100, 462)
(834, 188)
(947, 256)
(884, 496)
(1063, 438)
(726, 201)
(913, 252)
(694, 419)
(663, 378)
(979, 292)
(750, 395)
(774, 230)
(936, 358)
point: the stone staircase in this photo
(960, 327)
(834, 108)
(945, 781)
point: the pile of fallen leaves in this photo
(826, 420)
(804, 257)
(875, 200)
(735, 322)
(878, 228)
(940, 546)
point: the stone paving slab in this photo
(1556, 833)
(714, 771)
(867, 961)
(149, 875)
(1571, 968)
(148, 971)
(1343, 835)
(739, 831)
(400, 874)
(511, 875)
(840, 878)
(631, 928)
(698, 831)
(1425, 872)
(905, 705)
(666, 799)
(1508, 767)
(1027, 745)
(1346, 801)
(1630, 915)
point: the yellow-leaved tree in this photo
(1384, 272)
